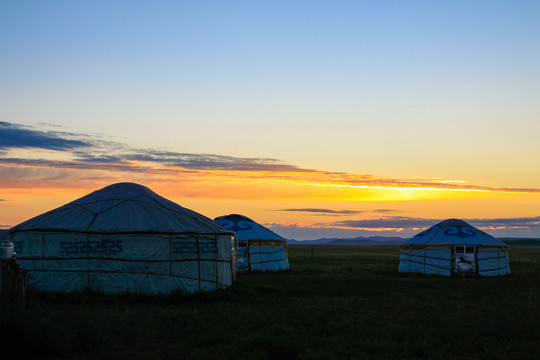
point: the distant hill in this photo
(383, 240)
(521, 241)
(361, 240)
(371, 240)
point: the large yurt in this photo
(453, 247)
(124, 238)
(257, 247)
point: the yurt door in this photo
(465, 259)
(242, 256)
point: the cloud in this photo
(403, 227)
(96, 154)
(401, 222)
(388, 222)
(385, 211)
(49, 125)
(324, 211)
(78, 165)
(131, 162)
(19, 136)
(93, 153)
(210, 161)
(506, 222)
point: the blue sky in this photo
(427, 91)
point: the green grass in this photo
(342, 302)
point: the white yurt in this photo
(124, 238)
(257, 247)
(454, 247)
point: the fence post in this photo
(12, 281)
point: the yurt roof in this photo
(122, 208)
(247, 229)
(454, 232)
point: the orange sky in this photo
(289, 197)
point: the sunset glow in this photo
(334, 120)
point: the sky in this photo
(313, 118)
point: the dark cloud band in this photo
(413, 223)
(18, 136)
(324, 211)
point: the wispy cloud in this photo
(385, 211)
(409, 223)
(393, 222)
(507, 222)
(403, 227)
(209, 161)
(324, 211)
(94, 154)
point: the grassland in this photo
(342, 302)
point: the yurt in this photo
(257, 247)
(124, 238)
(454, 247)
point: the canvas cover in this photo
(433, 251)
(257, 247)
(124, 238)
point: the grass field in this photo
(342, 302)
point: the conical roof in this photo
(453, 232)
(122, 208)
(247, 229)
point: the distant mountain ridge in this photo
(520, 241)
(361, 240)
(371, 240)
(394, 240)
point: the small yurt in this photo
(257, 247)
(124, 238)
(454, 247)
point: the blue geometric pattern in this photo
(460, 231)
(236, 223)
(18, 246)
(91, 247)
(205, 247)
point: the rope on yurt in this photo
(498, 265)
(95, 215)
(42, 251)
(424, 260)
(248, 255)
(112, 206)
(500, 251)
(216, 258)
(170, 254)
(87, 262)
(198, 259)
(476, 264)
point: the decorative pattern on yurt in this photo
(257, 247)
(453, 247)
(124, 238)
